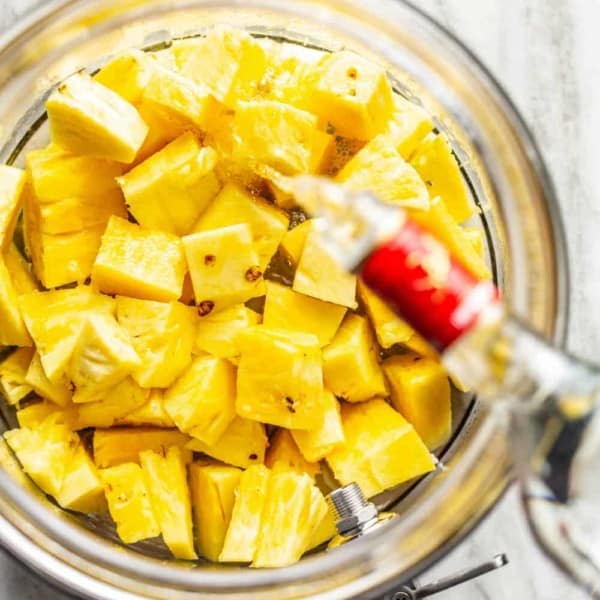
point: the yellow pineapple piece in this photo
(127, 74)
(19, 270)
(162, 334)
(12, 331)
(170, 189)
(151, 413)
(282, 537)
(294, 240)
(389, 328)
(228, 61)
(317, 518)
(439, 168)
(34, 414)
(135, 262)
(420, 391)
(12, 182)
(278, 135)
(324, 530)
(213, 490)
(242, 534)
(223, 265)
(477, 239)
(280, 379)
(233, 206)
(289, 310)
(350, 367)
(102, 357)
(440, 223)
(243, 444)
(352, 94)
(216, 333)
(89, 119)
(161, 131)
(419, 345)
(381, 450)
(13, 372)
(120, 445)
(57, 392)
(283, 455)
(319, 275)
(202, 401)
(166, 478)
(129, 503)
(317, 443)
(379, 168)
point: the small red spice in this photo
(210, 259)
(205, 307)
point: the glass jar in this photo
(526, 251)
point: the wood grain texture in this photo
(544, 53)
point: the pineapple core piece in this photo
(12, 331)
(283, 455)
(244, 527)
(129, 503)
(389, 328)
(13, 375)
(142, 264)
(287, 510)
(89, 119)
(319, 275)
(166, 478)
(352, 94)
(380, 169)
(280, 378)
(317, 443)
(202, 401)
(162, 334)
(170, 189)
(224, 267)
(381, 450)
(12, 183)
(350, 367)
(217, 333)
(121, 445)
(58, 393)
(437, 165)
(233, 205)
(213, 490)
(243, 444)
(421, 393)
(289, 310)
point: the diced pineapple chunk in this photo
(243, 531)
(380, 169)
(243, 444)
(319, 275)
(419, 345)
(277, 135)
(280, 379)
(33, 415)
(381, 450)
(289, 310)
(12, 182)
(19, 271)
(421, 393)
(324, 530)
(287, 509)
(352, 94)
(317, 517)
(389, 328)
(317, 443)
(102, 357)
(12, 330)
(57, 392)
(477, 239)
(129, 503)
(223, 265)
(127, 74)
(143, 264)
(213, 490)
(217, 333)
(162, 334)
(439, 168)
(438, 221)
(202, 401)
(350, 367)
(89, 119)
(166, 478)
(151, 413)
(121, 445)
(233, 205)
(228, 61)
(171, 189)
(13, 375)
(283, 455)
(293, 241)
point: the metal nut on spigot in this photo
(358, 520)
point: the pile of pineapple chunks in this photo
(150, 309)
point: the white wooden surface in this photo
(545, 54)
